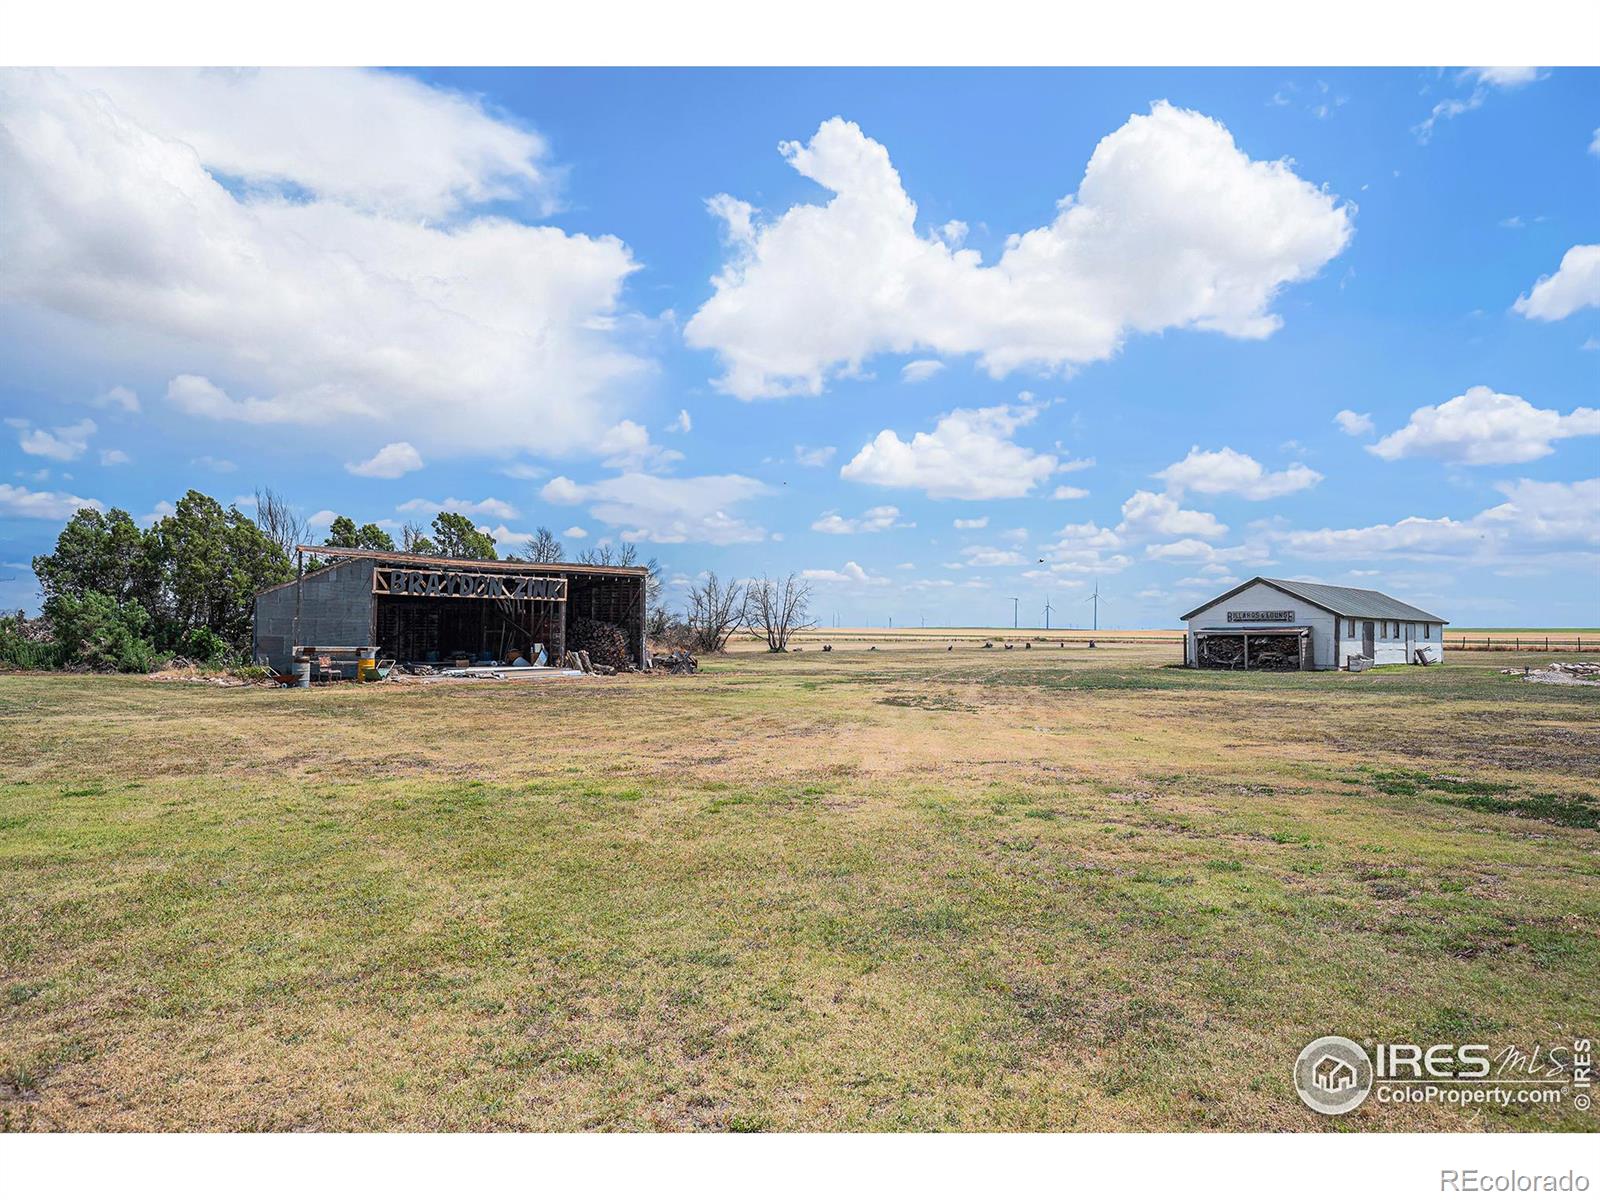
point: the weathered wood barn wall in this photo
(419, 608)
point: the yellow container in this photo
(367, 668)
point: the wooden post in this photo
(558, 630)
(1247, 652)
(299, 578)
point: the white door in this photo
(1411, 642)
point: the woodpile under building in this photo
(431, 613)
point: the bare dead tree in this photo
(279, 520)
(626, 554)
(716, 609)
(414, 541)
(543, 547)
(780, 608)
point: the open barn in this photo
(419, 609)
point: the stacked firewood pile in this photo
(1222, 652)
(1267, 653)
(604, 643)
(1275, 653)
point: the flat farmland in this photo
(972, 890)
(965, 637)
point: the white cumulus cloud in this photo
(487, 507)
(1216, 472)
(851, 573)
(1153, 514)
(814, 456)
(627, 447)
(391, 462)
(1085, 548)
(347, 280)
(1483, 426)
(1575, 285)
(48, 506)
(1171, 226)
(968, 455)
(374, 140)
(656, 509)
(991, 556)
(874, 520)
(63, 443)
(1534, 513)
(1353, 423)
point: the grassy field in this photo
(863, 890)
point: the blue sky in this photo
(841, 322)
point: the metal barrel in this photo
(302, 672)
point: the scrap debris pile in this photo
(675, 662)
(1584, 674)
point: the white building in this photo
(1292, 625)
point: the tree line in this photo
(124, 598)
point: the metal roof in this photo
(345, 553)
(1340, 601)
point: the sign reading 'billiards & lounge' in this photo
(1261, 614)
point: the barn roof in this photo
(493, 565)
(1340, 601)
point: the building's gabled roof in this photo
(1340, 601)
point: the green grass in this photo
(893, 891)
(1580, 810)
